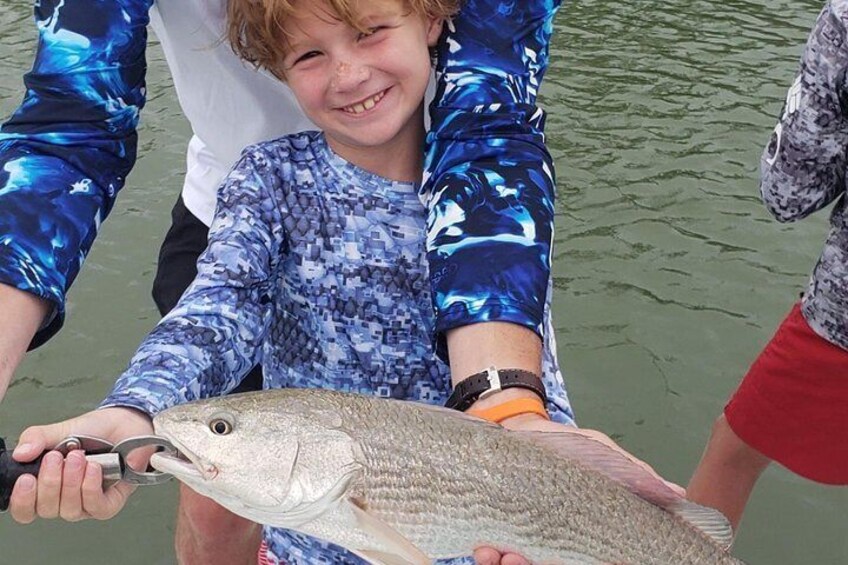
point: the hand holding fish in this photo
(69, 487)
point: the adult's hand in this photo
(489, 556)
(534, 422)
(22, 316)
(70, 487)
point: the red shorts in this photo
(792, 406)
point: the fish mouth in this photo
(182, 463)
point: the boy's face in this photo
(365, 91)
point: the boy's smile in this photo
(365, 90)
(365, 105)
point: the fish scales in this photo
(497, 489)
(446, 482)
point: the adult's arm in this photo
(490, 186)
(22, 314)
(66, 151)
(213, 337)
(802, 169)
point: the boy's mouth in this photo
(364, 105)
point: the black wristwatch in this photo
(490, 381)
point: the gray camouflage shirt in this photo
(803, 168)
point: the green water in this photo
(670, 275)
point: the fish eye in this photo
(220, 427)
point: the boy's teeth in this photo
(366, 105)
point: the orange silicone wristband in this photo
(510, 408)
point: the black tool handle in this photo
(10, 470)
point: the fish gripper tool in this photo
(110, 457)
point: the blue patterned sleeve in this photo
(489, 180)
(213, 337)
(802, 169)
(66, 151)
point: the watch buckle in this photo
(494, 379)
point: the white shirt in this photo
(228, 104)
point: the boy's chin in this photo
(368, 140)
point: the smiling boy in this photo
(361, 82)
(316, 259)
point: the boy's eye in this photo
(370, 32)
(306, 56)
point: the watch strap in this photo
(492, 380)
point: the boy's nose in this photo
(348, 76)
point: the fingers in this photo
(70, 499)
(40, 497)
(22, 503)
(98, 504)
(70, 488)
(679, 490)
(487, 556)
(56, 492)
(111, 424)
(33, 498)
(35, 440)
(491, 556)
(49, 485)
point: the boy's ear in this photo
(434, 30)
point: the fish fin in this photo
(592, 453)
(709, 520)
(450, 413)
(401, 551)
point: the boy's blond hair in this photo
(255, 27)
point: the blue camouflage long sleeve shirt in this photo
(803, 168)
(317, 269)
(66, 151)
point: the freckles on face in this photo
(346, 75)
